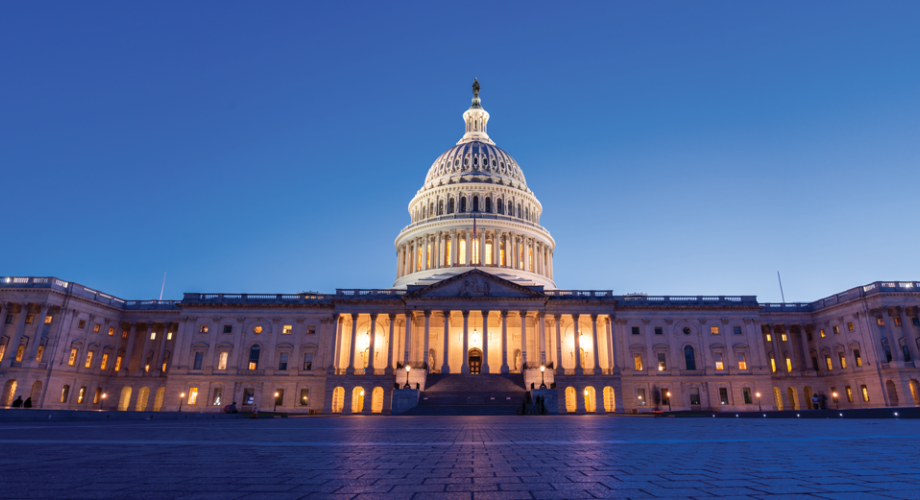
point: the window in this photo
(836, 329)
(282, 363)
(216, 396)
(248, 396)
(808, 334)
(843, 360)
(662, 364)
(748, 398)
(690, 359)
(788, 364)
(773, 362)
(222, 360)
(769, 338)
(897, 322)
(124, 334)
(287, 329)
(203, 329)
(96, 327)
(20, 351)
(118, 363)
(97, 396)
(865, 393)
(736, 330)
(304, 397)
(695, 396)
(192, 395)
(81, 395)
(686, 330)
(254, 357)
(29, 319)
(228, 328)
(849, 392)
(308, 361)
(199, 357)
(81, 324)
(916, 321)
(719, 362)
(742, 361)
(827, 362)
(906, 352)
(48, 319)
(880, 321)
(153, 335)
(659, 330)
(821, 332)
(105, 361)
(73, 357)
(635, 330)
(850, 326)
(111, 331)
(858, 358)
(782, 337)
(2, 350)
(637, 359)
(723, 395)
(38, 353)
(168, 335)
(257, 329)
(714, 330)
(640, 397)
(66, 392)
(89, 359)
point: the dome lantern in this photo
(476, 119)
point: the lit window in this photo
(20, 351)
(449, 246)
(827, 361)
(659, 330)
(203, 329)
(228, 328)
(2, 350)
(311, 329)
(65, 391)
(635, 330)
(169, 336)
(736, 330)
(105, 361)
(640, 397)
(81, 324)
(257, 329)
(865, 393)
(153, 335)
(118, 363)
(287, 329)
(836, 329)
(192, 395)
(843, 360)
(29, 319)
(38, 353)
(880, 321)
(283, 361)
(849, 392)
(714, 330)
(719, 364)
(773, 362)
(462, 252)
(788, 364)
(96, 327)
(637, 358)
(304, 397)
(81, 395)
(73, 357)
(215, 398)
(254, 357)
(723, 395)
(111, 331)
(769, 338)
(782, 337)
(489, 254)
(248, 396)
(48, 319)
(308, 361)
(742, 361)
(897, 322)
(222, 360)
(97, 396)
(858, 358)
(850, 326)
(199, 357)
(662, 365)
(124, 334)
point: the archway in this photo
(590, 400)
(915, 391)
(158, 400)
(610, 404)
(36, 393)
(124, 399)
(570, 405)
(808, 395)
(793, 399)
(142, 399)
(338, 399)
(357, 400)
(9, 391)
(377, 400)
(892, 393)
(778, 398)
(475, 361)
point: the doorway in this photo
(475, 361)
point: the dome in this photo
(476, 158)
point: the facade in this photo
(474, 295)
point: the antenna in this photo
(781, 294)
(163, 287)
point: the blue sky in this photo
(677, 147)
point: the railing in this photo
(258, 298)
(682, 300)
(82, 291)
(475, 215)
(853, 293)
(368, 292)
(579, 294)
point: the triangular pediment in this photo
(474, 284)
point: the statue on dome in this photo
(475, 87)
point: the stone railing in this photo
(580, 294)
(873, 288)
(480, 216)
(255, 298)
(82, 291)
(368, 292)
(687, 300)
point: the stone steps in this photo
(455, 394)
(463, 410)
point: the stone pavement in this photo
(470, 458)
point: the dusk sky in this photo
(681, 148)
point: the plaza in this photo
(470, 458)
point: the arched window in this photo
(431, 209)
(475, 203)
(254, 352)
(450, 206)
(489, 205)
(463, 204)
(499, 206)
(441, 207)
(519, 211)
(688, 355)
(526, 213)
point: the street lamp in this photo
(275, 409)
(104, 395)
(758, 402)
(668, 394)
(837, 401)
(542, 377)
(408, 369)
(181, 397)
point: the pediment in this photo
(475, 284)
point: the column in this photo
(37, 336)
(806, 356)
(132, 337)
(161, 355)
(910, 339)
(482, 247)
(777, 351)
(445, 366)
(351, 346)
(465, 367)
(425, 253)
(791, 344)
(523, 339)
(597, 345)
(485, 335)
(426, 339)
(391, 345)
(543, 339)
(337, 351)
(440, 249)
(514, 257)
(20, 327)
(612, 349)
(557, 319)
(408, 337)
(504, 315)
(146, 346)
(503, 244)
(576, 353)
(371, 346)
(454, 248)
(469, 251)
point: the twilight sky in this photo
(677, 147)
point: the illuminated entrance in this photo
(475, 361)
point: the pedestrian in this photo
(18, 402)
(28, 403)
(814, 402)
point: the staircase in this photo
(453, 394)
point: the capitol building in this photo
(473, 321)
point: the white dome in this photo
(476, 158)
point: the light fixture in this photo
(366, 341)
(475, 337)
(586, 392)
(362, 392)
(581, 340)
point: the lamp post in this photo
(758, 402)
(104, 395)
(668, 394)
(408, 369)
(181, 397)
(542, 377)
(836, 401)
(275, 409)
